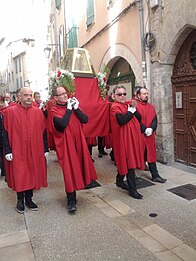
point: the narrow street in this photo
(108, 224)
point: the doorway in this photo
(184, 102)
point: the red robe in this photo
(72, 152)
(34, 103)
(147, 111)
(127, 141)
(12, 104)
(25, 129)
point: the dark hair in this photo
(139, 90)
(54, 91)
(36, 93)
(2, 99)
(136, 88)
(18, 90)
(118, 87)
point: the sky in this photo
(19, 19)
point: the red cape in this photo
(127, 141)
(25, 129)
(147, 111)
(91, 103)
(72, 152)
(34, 103)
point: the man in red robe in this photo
(25, 144)
(148, 128)
(8, 101)
(127, 140)
(70, 145)
(37, 100)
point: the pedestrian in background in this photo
(148, 128)
(127, 140)
(2, 108)
(25, 144)
(37, 99)
(8, 101)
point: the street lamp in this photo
(47, 51)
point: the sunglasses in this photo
(121, 94)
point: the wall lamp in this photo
(47, 51)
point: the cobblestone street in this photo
(108, 224)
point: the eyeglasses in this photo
(61, 94)
(121, 94)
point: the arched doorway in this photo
(184, 102)
(122, 73)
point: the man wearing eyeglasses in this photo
(127, 141)
(70, 144)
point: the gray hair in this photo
(118, 87)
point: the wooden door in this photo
(184, 102)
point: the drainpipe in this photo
(144, 68)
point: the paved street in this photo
(108, 224)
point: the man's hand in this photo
(46, 154)
(76, 104)
(131, 109)
(148, 132)
(9, 157)
(70, 104)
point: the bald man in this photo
(25, 144)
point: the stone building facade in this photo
(172, 23)
(143, 40)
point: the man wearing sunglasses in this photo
(127, 140)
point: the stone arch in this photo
(176, 28)
(121, 50)
(171, 41)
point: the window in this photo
(90, 12)
(72, 37)
(19, 62)
(16, 66)
(21, 82)
(17, 83)
(58, 4)
(61, 41)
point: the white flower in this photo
(61, 77)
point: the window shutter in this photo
(58, 4)
(72, 38)
(90, 12)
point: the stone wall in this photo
(171, 23)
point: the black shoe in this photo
(146, 167)
(72, 206)
(159, 179)
(31, 205)
(100, 155)
(121, 184)
(20, 208)
(135, 194)
(112, 156)
(104, 152)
